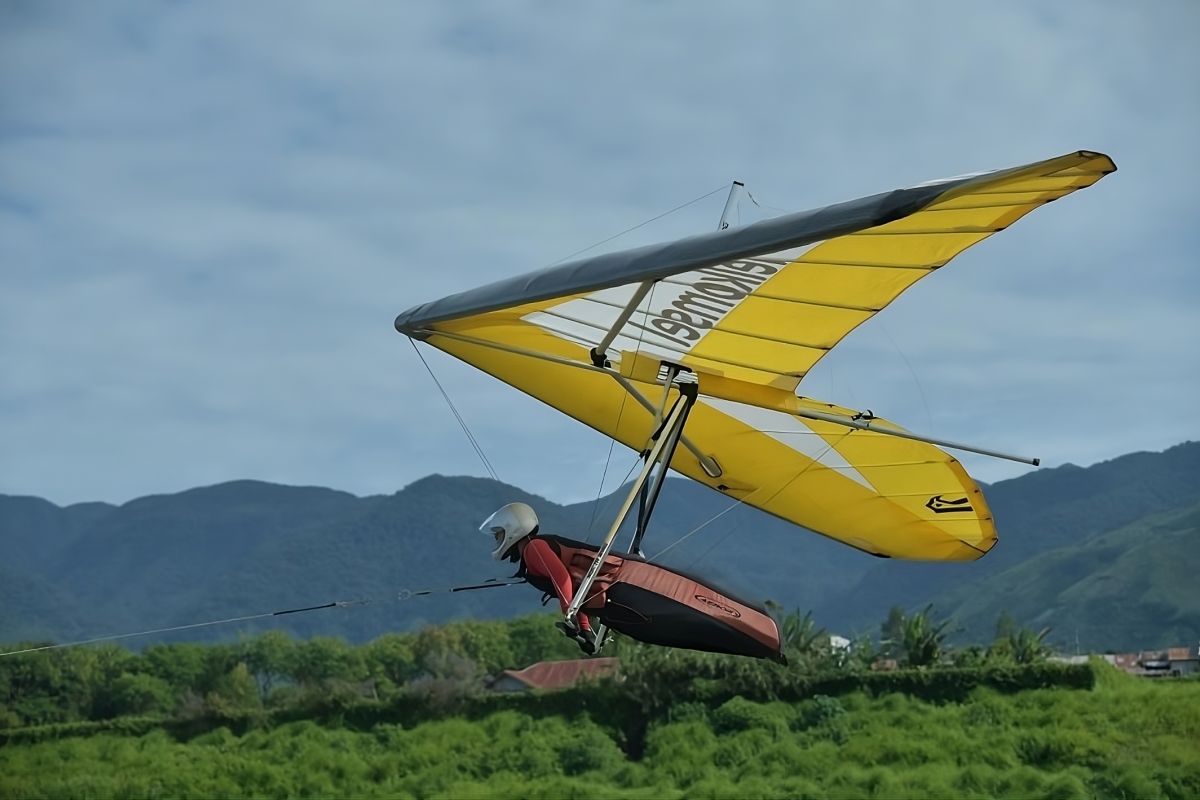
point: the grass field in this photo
(1126, 738)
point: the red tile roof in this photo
(561, 674)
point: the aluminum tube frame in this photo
(675, 420)
(706, 461)
(730, 203)
(864, 424)
(652, 488)
(600, 351)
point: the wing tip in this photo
(1095, 155)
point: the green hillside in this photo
(34, 532)
(30, 606)
(1128, 589)
(247, 547)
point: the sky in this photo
(210, 214)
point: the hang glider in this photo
(742, 315)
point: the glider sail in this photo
(746, 313)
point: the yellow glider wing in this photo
(750, 311)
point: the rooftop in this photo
(561, 674)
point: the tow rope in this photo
(402, 595)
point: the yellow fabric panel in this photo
(1009, 200)
(950, 217)
(870, 268)
(866, 288)
(739, 373)
(1047, 183)
(923, 250)
(884, 517)
(766, 354)
(792, 320)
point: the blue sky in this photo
(211, 213)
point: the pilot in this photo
(514, 528)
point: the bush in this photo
(140, 694)
(820, 710)
(740, 714)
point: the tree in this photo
(139, 693)
(801, 637)
(891, 633)
(32, 688)
(236, 692)
(1005, 626)
(269, 657)
(1028, 646)
(863, 653)
(922, 639)
(1018, 643)
(182, 665)
(390, 659)
(534, 638)
(323, 658)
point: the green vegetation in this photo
(407, 716)
(1123, 739)
(272, 676)
(1105, 556)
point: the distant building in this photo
(1069, 659)
(1129, 662)
(1184, 660)
(554, 674)
(839, 644)
(1173, 662)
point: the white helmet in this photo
(509, 525)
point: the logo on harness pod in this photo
(708, 601)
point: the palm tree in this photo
(922, 640)
(1020, 644)
(1027, 646)
(892, 633)
(800, 636)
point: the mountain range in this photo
(1106, 556)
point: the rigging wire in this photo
(604, 475)
(703, 525)
(639, 225)
(636, 460)
(115, 637)
(754, 200)
(732, 530)
(400, 596)
(470, 437)
(911, 371)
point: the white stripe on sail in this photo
(793, 432)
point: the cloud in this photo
(210, 214)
